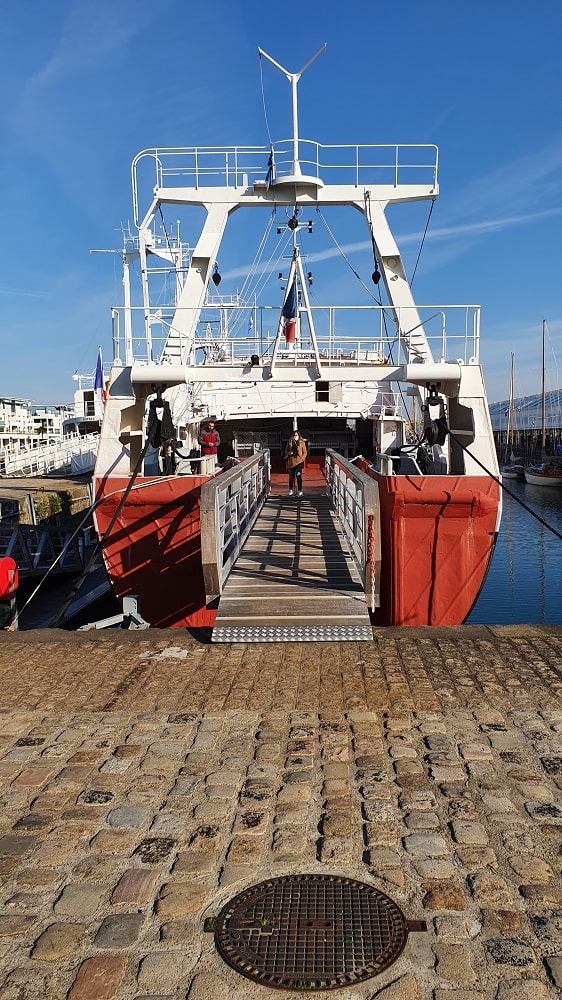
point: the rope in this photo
(263, 102)
(508, 491)
(99, 543)
(348, 262)
(422, 243)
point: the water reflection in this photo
(524, 583)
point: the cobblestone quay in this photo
(147, 778)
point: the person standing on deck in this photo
(209, 438)
(295, 454)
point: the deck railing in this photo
(230, 504)
(355, 499)
(196, 167)
(354, 335)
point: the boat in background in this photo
(356, 378)
(544, 474)
(512, 468)
(548, 472)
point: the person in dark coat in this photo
(295, 454)
(209, 438)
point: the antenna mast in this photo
(293, 79)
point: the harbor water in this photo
(524, 582)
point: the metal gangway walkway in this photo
(291, 568)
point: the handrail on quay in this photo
(355, 500)
(230, 504)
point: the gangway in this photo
(72, 455)
(291, 568)
(38, 548)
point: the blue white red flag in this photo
(289, 310)
(270, 171)
(289, 313)
(99, 384)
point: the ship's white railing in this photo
(242, 166)
(355, 499)
(230, 503)
(355, 334)
(53, 457)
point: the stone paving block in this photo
(470, 833)
(553, 964)
(119, 930)
(405, 988)
(207, 986)
(113, 841)
(79, 900)
(58, 941)
(507, 921)
(444, 896)
(135, 887)
(152, 850)
(177, 899)
(545, 893)
(488, 889)
(334, 850)
(527, 989)
(98, 978)
(195, 863)
(16, 845)
(435, 868)
(15, 925)
(32, 777)
(531, 869)
(510, 951)
(453, 963)
(430, 845)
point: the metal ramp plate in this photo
(311, 633)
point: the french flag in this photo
(289, 313)
(99, 384)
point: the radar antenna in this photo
(293, 79)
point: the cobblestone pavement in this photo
(147, 778)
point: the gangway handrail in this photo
(355, 500)
(230, 504)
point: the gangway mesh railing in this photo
(36, 548)
(230, 504)
(355, 500)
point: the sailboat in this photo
(548, 472)
(512, 469)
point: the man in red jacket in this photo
(209, 438)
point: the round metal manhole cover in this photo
(310, 932)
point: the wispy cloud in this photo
(26, 293)
(462, 236)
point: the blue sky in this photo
(86, 85)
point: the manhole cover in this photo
(311, 932)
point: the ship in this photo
(380, 387)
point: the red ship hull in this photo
(437, 540)
(154, 548)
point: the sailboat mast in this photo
(510, 420)
(543, 411)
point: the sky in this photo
(86, 84)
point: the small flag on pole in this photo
(270, 171)
(289, 313)
(99, 384)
